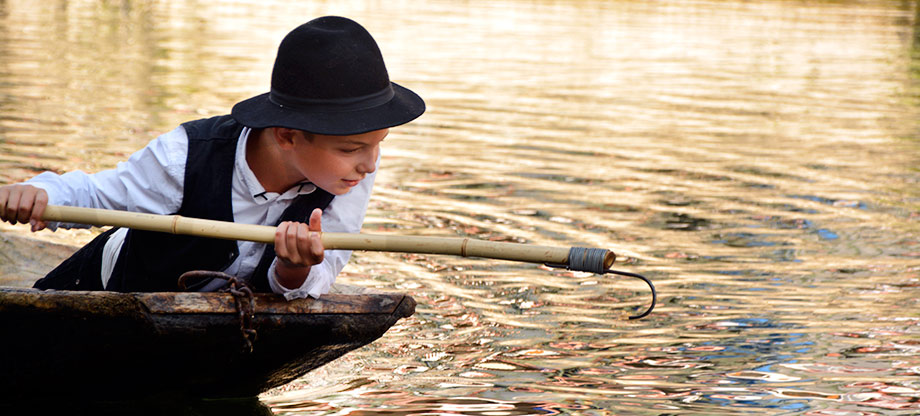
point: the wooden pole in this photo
(175, 224)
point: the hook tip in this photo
(650, 286)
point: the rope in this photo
(242, 297)
(587, 259)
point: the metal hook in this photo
(638, 276)
(650, 286)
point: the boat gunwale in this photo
(181, 303)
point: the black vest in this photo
(153, 261)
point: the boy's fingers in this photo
(38, 225)
(292, 243)
(312, 246)
(12, 206)
(281, 239)
(299, 240)
(317, 248)
(316, 220)
(26, 203)
(4, 196)
(22, 204)
(41, 202)
(297, 245)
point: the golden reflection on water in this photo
(758, 160)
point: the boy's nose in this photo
(368, 164)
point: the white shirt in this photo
(152, 181)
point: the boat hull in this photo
(117, 345)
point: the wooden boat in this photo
(119, 345)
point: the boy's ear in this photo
(284, 137)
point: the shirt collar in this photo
(250, 182)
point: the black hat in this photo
(329, 78)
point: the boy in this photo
(308, 148)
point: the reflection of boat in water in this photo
(116, 345)
(146, 406)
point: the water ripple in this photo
(756, 159)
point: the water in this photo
(756, 159)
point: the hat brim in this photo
(259, 112)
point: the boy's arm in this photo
(150, 181)
(344, 214)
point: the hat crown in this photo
(329, 58)
(329, 78)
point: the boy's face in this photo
(337, 163)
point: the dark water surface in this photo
(757, 159)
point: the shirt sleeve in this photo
(345, 214)
(150, 181)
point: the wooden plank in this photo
(222, 303)
(94, 303)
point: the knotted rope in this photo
(242, 296)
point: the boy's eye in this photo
(351, 150)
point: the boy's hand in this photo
(298, 247)
(23, 204)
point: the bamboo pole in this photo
(175, 224)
